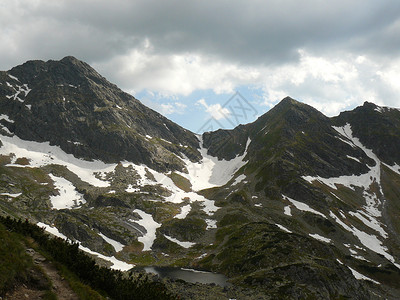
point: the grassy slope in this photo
(17, 268)
(79, 268)
(15, 263)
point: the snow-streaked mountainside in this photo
(294, 204)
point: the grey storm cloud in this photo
(246, 32)
(333, 55)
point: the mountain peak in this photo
(71, 59)
(67, 71)
(78, 65)
(369, 105)
(288, 100)
(291, 110)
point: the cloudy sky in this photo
(188, 59)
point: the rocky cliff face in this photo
(69, 104)
(377, 128)
(294, 204)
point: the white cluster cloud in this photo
(168, 108)
(173, 108)
(333, 84)
(216, 111)
(176, 74)
(330, 84)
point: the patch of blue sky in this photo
(205, 110)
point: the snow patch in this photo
(395, 168)
(303, 207)
(370, 222)
(283, 228)
(177, 195)
(11, 195)
(360, 276)
(211, 224)
(165, 141)
(42, 154)
(372, 208)
(53, 230)
(6, 129)
(7, 118)
(368, 240)
(150, 225)
(182, 244)
(287, 211)
(320, 238)
(116, 264)
(19, 90)
(184, 212)
(13, 77)
(75, 143)
(131, 189)
(211, 172)
(353, 158)
(202, 256)
(117, 245)
(346, 141)
(351, 181)
(68, 196)
(239, 179)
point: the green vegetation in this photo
(181, 182)
(188, 229)
(83, 291)
(4, 159)
(22, 161)
(15, 263)
(145, 258)
(112, 283)
(27, 181)
(391, 190)
(260, 255)
(233, 218)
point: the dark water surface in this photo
(188, 275)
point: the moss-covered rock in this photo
(260, 254)
(188, 229)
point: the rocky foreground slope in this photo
(294, 204)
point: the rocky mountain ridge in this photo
(294, 204)
(69, 104)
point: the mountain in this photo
(294, 205)
(315, 177)
(69, 104)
